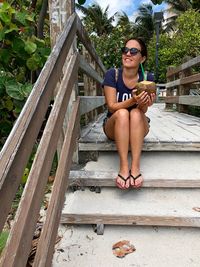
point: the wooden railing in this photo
(179, 82)
(18, 147)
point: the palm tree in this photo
(180, 5)
(175, 9)
(128, 26)
(96, 19)
(144, 21)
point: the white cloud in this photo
(115, 6)
(133, 16)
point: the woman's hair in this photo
(142, 44)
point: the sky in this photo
(130, 7)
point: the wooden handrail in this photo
(190, 63)
(181, 79)
(23, 228)
(18, 147)
(82, 34)
(49, 231)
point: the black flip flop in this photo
(124, 179)
(135, 178)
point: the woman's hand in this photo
(142, 99)
(152, 98)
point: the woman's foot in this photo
(122, 182)
(136, 179)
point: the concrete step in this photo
(155, 247)
(146, 206)
(160, 169)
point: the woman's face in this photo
(132, 61)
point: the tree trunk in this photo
(33, 4)
(41, 20)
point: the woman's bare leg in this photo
(117, 128)
(139, 127)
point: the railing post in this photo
(59, 11)
(169, 91)
(184, 89)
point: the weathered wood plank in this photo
(89, 103)
(186, 80)
(83, 35)
(19, 243)
(107, 179)
(190, 100)
(16, 151)
(191, 63)
(153, 146)
(190, 79)
(169, 207)
(87, 69)
(46, 243)
(172, 99)
(173, 83)
(97, 218)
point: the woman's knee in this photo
(136, 115)
(122, 114)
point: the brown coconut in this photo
(148, 86)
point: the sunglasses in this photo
(133, 51)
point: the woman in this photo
(126, 122)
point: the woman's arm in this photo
(111, 100)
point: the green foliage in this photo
(21, 53)
(175, 46)
(157, 2)
(109, 46)
(3, 238)
(81, 2)
(25, 176)
(96, 19)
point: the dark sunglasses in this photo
(133, 51)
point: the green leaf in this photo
(26, 89)
(30, 47)
(5, 6)
(2, 34)
(29, 18)
(5, 18)
(25, 176)
(18, 105)
(13, 27)
(34, 62)
(21, 76)
(5, 126)
(3, 238)
(39, 42)
(5, 55)
(13, 89)
(81, 2)
(18, 45)
(9, 104)
(21, 17)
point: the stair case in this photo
(169, 196)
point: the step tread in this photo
(155, 246)
(107, 178)
(155, 166)
(172, 207)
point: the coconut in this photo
(148, 86)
